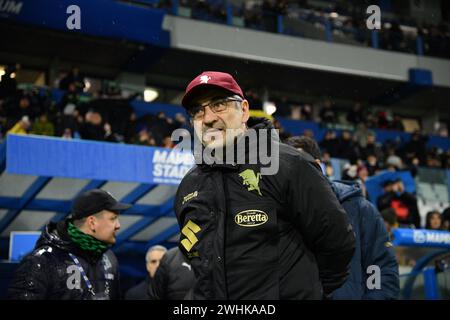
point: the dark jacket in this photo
(173, 278)
(281, 236)
(372, 248)
(48, 272)
(141, 290)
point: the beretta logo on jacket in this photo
(251, 218)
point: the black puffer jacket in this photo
(50, 273)
(281, 236)
(174, 277)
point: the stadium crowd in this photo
(398, 33)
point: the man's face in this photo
(153, 259)
(106, 225)
(216, 129)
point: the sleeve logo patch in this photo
(190, 196)
(251, 218)
(189, 231)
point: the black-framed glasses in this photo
(216, 106)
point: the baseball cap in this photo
(211, 79)
(94, 201)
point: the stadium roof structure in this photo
(40, 176)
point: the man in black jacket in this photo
(173, 278)
(72, 260)
(250, 235)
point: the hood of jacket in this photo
(345, 190)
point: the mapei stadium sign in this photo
(421, 238)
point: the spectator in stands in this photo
(174, 277)
(329, 143)
(393, 161)
(43, 127)
(70, 98)
(72, 260)
(397, 123)
(8, 83)
(21, 127)
(326, 161)
(144, 138)
(403, 202)
(433, 220)
(167, 142)
(433, 159)
(372, 164)
(73, 78)
(373, 243)
(181, 122)
(93, 127)
(67, 134)
(69, 119)
(16, 109)
(372, 147)
(361, 134)
(356, 115)
(362, 172)
(371, 120)
(327, 113)
(347, 148)
(382, 120)
(446, 219)
(395, 38)
(390, 220)
(307, 112)
(152, 259)
(110, 135)
(416, 147)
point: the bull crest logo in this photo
(205, 79)
(251, 180)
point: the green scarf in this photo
(85, 241)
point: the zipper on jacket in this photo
(225, 216)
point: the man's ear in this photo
(245, 111)
(91, 222)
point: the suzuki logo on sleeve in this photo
(189, 231)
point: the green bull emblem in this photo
(251, 180)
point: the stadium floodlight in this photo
(269, 107)
(150, 94)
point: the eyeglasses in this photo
(198, 112)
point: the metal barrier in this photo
(431, 263)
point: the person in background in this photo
(390, 220)
(174, 277)
(21, 127)
(373, 246)
(446, 219)
(43, 127)
(72, 259)
(152, 260)
(404, 203)
(433, 220)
